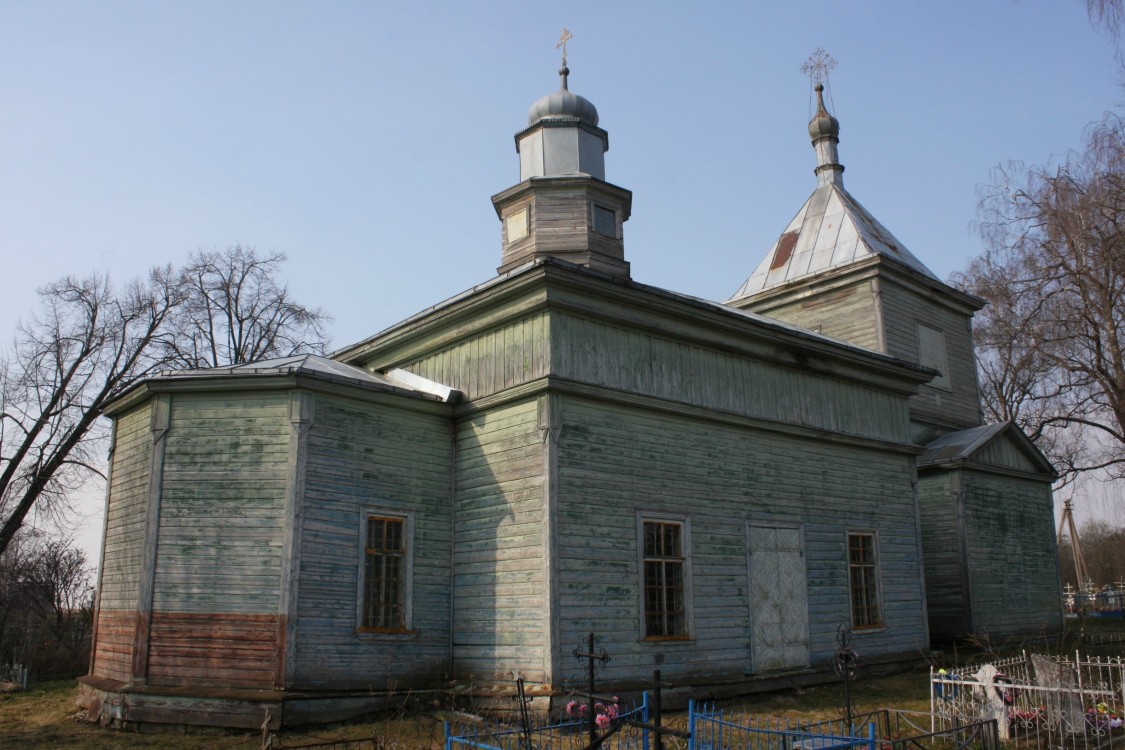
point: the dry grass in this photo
(46, 716)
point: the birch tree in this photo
(1051, 343)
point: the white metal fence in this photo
(1038, 701)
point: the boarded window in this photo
(605, 221)
(863, 580)
(384, 574)
(664, 564)
(517, 225)
(931, 353)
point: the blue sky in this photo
(364, 139)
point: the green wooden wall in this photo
(216, 582)
(366, 457)
(1013, 562)
(499, 358)
(123, 545)
(943, 551)
(903, 308)
(647, 363)
(500, 615)
(616, 462)
(847, 313)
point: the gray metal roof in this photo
(831, 230)
(955, 448)
(322, 367)
(958, 446)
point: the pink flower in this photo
(611, 711)
(602, 721)
(570, 708)
(583, 709)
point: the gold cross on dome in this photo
(818, 66)
(565, 37)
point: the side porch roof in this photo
(1001, 446)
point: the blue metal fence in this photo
(567, 734)
(712, 729)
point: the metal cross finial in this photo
(565, 37)
(818, 66)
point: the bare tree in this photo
(1109, 15)
(86, 345)
(46, 605)
(235, 311)
(1103, 551)
(1051, 343)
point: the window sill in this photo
(666, 639)
(863, 629)
(397, 635)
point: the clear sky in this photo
(364, 139)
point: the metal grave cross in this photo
(590, 654)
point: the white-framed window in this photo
(385, 576)
(931, 353)
(665, 566)
(863, 579)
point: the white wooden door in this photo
(779, 610)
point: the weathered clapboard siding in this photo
(943, 554)
(117, 595)
(903, 309)
(217, 649)
(640, 362)
(225, 470)
(218, 556)
(617, 462)
(1013, 563)
(499, 618)
(561, 225)
(500, 358)
(847, 313)
(365, 458)
(1005, 454)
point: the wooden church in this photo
(713, 488)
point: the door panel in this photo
(779, 612)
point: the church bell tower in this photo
(563, 207)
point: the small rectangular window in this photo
(516, 225)
(863, 580)
(605, 221)
(384, 574)
(931, 353)
(664, 577)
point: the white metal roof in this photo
(831, 230)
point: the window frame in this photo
(684, 524)
(875, 568)
(611, 214)
(936, 349)
(407, 591)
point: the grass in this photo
(46, 716)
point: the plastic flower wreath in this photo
(604, 713)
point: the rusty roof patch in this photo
(785, 245)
